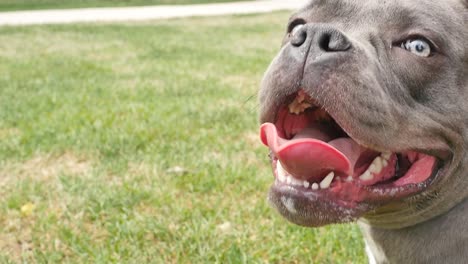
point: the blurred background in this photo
(136, 141)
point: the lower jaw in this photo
(322, 207)
(310, 210)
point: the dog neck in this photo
(443, 239)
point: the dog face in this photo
(365, 112)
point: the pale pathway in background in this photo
(144, 12)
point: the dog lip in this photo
(408, 190)
(373, 194)
(319, 208)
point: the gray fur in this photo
(387, 99)
(443, 239)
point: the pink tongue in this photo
(307, 156)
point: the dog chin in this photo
(309, 210)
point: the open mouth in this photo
(312, 154)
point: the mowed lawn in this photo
(12, 5)
(137, 143)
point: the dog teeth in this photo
(384, 163)
(285, 177)
(376, 167)
(282, 174)
(385, 157)
(296, 182)
(366, 176)
(282, 178)
(325, 183)
(298, 108)
(299, 104)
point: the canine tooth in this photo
(366, 176)
(384, 163)
(281, 172)
(281, 178)
(306, 184)
(376, 166)
(315, 186)
(325, 183)
(349, 179)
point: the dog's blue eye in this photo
(418, 47)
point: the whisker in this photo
(249, 98)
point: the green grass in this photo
(12, 5)
(94, 119)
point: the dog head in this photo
(365, 112)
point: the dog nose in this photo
(326, 38)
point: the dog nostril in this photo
(299, 38)
(324, 42)
(333, 41)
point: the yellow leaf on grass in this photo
(27, 209)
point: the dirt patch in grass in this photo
(44, 167)
(16, 238)
(9, 132)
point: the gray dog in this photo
(365, 113)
